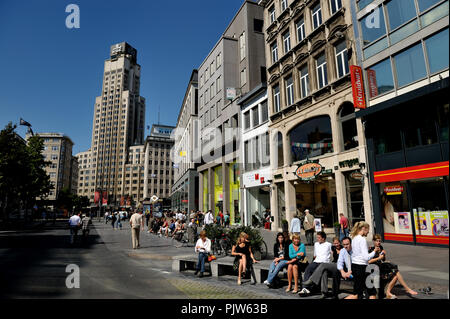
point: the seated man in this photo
(322, 254)
(321, 274)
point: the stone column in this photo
(290, 199)
(341, 193)
(274, 206)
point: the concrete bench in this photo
(219, 266)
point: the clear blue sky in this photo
(50, 75)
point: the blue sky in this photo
(50, 75)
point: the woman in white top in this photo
(203, 248)
(360, 260)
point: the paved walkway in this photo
(157, 253)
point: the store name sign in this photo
(357, 176)
(308, 171)
(359, 99)
(393, 190)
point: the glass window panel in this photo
(280, 149)
(373, 26)
(410, 65)
(443, 120)
(435, 14)
(404, 31)
(437, 51)
(425, 4)
(255, 116)
(400, 12)
(350, 134)
(375, 48)
(247, 120)
(335, 5)
(420, 130)
(264, 112)
(363, 3)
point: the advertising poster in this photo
(402, 222)
(318, 224)
(439, 223)
(422, 222)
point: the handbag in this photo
(211, 258)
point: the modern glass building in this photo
(403, 48)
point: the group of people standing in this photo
(346, 258)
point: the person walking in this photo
(74, 225)
(119, 222)
(203, 248)
(113, 220)
(209, 218)
(86, 223)
(308, 225)
(226, 219)
(295, 225)
(106, 217)
(343, 221)
(136, 222)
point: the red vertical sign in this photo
(359, 99)
(373, 87)
(96, 197)
(105, 198)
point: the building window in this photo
(219, 60)
(380, 78)
(264, 112)
(255, 116)
(335, 5)
(322, 78)
(283, 5)
(218, 84)
(274, 49)
(400, 12)
(280, 156)
(437, 51)
(348, 122)
(242, 45)
(300, 25)
(287, 41)
(317, 16)
(243, 77)
(341, 59)
(289, 91)
(304, 81)
(276, 98)
(272, 14)
(247, 120)
(370, 33)
(410, 65)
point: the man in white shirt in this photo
(74, 225)
(322, 254)
(209, 218)
(203, 248)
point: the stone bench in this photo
(219, 266)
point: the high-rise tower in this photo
(119, 121)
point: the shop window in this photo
(430, 207)
(410, 65)
(355, 200)
(380, 78)
(437, 51)
(311, 138)
(349, 130)
(395, 208)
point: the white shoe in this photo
(304, 291)
(266, 282)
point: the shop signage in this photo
(262, 180)
(393, 190)
(359, 99)
(308, 171)
(349, 163)
(231, 94)
(185, 201)
(373, 88)
(357, 175)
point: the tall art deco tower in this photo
(118, 124)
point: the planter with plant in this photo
(284, 225)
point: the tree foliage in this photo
(22, 171)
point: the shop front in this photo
(256, 197)
(409, 164)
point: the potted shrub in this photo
(337, 228)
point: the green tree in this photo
(80, 202)
(22, 171)
(66, 199)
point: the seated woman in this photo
(279, 262)
(163, 228)
(203, 248)
(297, 252)
(388, 271)
(243, 252)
